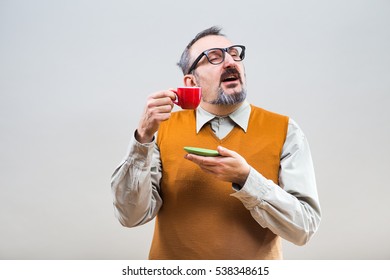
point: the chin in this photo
(232, 90)
(230, 96)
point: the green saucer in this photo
(202, 151)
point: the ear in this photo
(189, 81)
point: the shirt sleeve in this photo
(290, 210)
(135, 184)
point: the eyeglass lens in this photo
(216, 56)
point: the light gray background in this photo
(74, 76)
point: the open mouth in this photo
(230, 75)
(230, 79)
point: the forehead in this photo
(208, 42)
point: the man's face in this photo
(222, 84)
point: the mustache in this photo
(229, 72)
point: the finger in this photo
(162, 117)
(165, 93)
(157, 102)
(160, 109)
(201, 160)
(194, 158)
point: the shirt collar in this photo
(240, 116)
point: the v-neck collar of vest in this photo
(208, 130)
(239, 117)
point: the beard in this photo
(228, 99)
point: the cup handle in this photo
(176, 101)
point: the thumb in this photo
(224, 152)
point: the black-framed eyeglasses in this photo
(217, 55)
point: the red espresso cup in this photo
(188, 97)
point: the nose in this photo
(229, 61)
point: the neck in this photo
(220, 110)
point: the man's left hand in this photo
(229, 166)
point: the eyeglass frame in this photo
(224, 50)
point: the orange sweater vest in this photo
(199, 219)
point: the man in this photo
(237, 205)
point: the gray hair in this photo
(184, 62)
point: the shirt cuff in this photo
(140, 154)
(254, 190)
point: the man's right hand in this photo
(158, 108)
